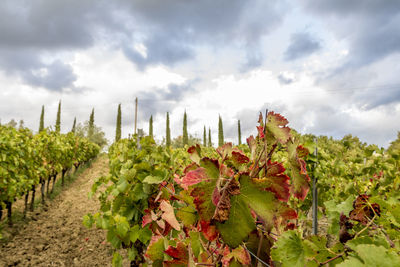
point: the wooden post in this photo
(136, 106)
(315, 195)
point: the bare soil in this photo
(55, 235)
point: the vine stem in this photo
(332, 259)
(259, 246)
(366, 227)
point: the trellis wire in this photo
(255, 256)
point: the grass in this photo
(7, 232)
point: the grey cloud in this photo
(57, 76)
(170, 31)
(370, 27)
(284, 80)
(379, 96)
(301, 45)
(173, 29)
(163, 100)
(28, 65)
(371, 30)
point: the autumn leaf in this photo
(169, 215)
(179, 254)
(276, 126)
(275, 181)
(221, 213)
(299, 177)
(195, 153)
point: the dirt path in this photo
(57, 237)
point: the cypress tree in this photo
(91, 125)
(58, 121)
(118, 130)
(204, 137)
(220, 132)
(185, 138)
(74, 126)
(209, 138)
(151, 126)
(239, 133)
(41, 125)
(168, 134)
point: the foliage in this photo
(90, 130)
(58, 120)
(151, 126)
(118, 127)
(209, 144)
(168, 132)
(220, 132)
(204, 137)
(206, 206)
(239, 134)
(98, 136)
(41, 124)
(185, 137)
(27, 160)
(73, 130)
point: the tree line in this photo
(185, 138)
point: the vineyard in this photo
(282, 199)
(250, 205)
(31, 161)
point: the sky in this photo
(330, 67)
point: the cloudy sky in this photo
(330, 67)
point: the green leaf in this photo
(113, 239)
(187, 215)
(376, 240)
(122, 225)
(132, 253)
(156, 248)
(372, 255)
(153, 179)
(264, 203)
(134, 233)
(289, 250)
(117, 260)
(88, 220)
(145, 235)
(122, 185)
(195, 243)
(240, 222)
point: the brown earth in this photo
(55, 235)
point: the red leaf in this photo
(179, 254)
(276, 127)
(275, 181)
(146, 218)
(194, 177)
(261, 131)
(239, 158)
(209, 231)
(225, 171)
(192, 166)
(202, 192)
(299, 177)
(225, 150)
(239, 254)
(302, 152)
(216, 196)
(364, 211)
(195, 153)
